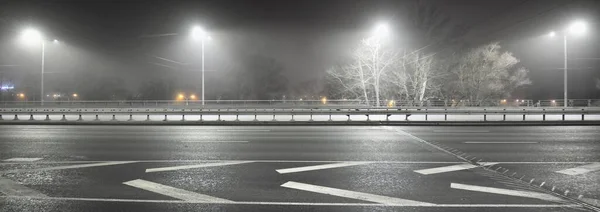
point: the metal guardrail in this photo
(361, 111)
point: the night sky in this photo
(305, 36)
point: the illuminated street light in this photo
(552, 34)
(575, 28)
(33, 36)
(21, 95)
(324, 100)
(381, 29)
(193, 97)
(198, 33)
(75, 95)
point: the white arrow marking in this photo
(318, 167)
(450, 168)
(528, 194)
(12, 188)
(581, 169)
(173, 168)
(354, 195)
(68, 167)
(173, 192)
(22, 159)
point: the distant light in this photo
(553, 101)
(55, 41)
(382, 29)
(21, 95)
(7, 87)
(75, 95)
(504, 101)
(324, 100)
(198, 33)
(180, 96)
(578, 28)
(552, 34)
(193, 96)
(31, 36)
(517, 100)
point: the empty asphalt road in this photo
(299, 168)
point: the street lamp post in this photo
(577, 27)
(32, 35)
(199, 33)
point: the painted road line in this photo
(319, 167)
(173, 168)
(501, 142)
(461, 131)
(581, 169)
(243, 130)
(528, 194)
(353, 194)
(69, 167)
(173, 192)
(452, 168)
(22, 159)
(215, 141)
(12, 188)
(300, 203)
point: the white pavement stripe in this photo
(501, 142)
(22, 159)
(214, 141)
(318, 167)
(451, 168)
(302, 203)
(581, 169)
(243, 130)
(12, 188)
(461, 131)
(173, 168)
(173, 192)
(353, 194)
(528, 194)
(69, 167)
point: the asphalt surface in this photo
(298, 168)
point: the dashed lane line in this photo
(581, 169)
(22, 159)
(527, 194)
(444, 169)
(319, 167)
(68, 167)
(12, 188)
(353, 194)
(174, 168)
(173, 192)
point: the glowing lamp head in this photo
(31, 36)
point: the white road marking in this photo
(581, 169)
(12, 188)
(501, 142)
(69, 167)
(173, 168)
(318, 167)
(215, 141)
(302, 161)
(353, 194)
(243, 130)
(528, 194)
(461, 131)
(302, 203)
(173, 192)
(458, 167)
(22, 159)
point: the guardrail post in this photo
(563, 115)
(255, 119)
(310, 115)
(31, 117)
(544, 114)
(147, 117)
(582, 115)
(47, 118)
(114, 118)
(387, 116)
(183, 117)
(330, 115)
(97, 119)
(237, 114)
(165, 118)
(80, 118)
(589, 102)
(218, 114)
(292, 114)
(425, 114)
(445, 112)
(523, 114)
(484, 115)
(348, 116)
(16, 118)
(274, 115)
(1, 119)
(504, 114)
(63, 118)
